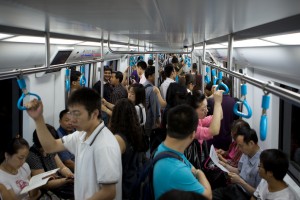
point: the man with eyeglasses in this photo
(98, 168)
(170, 74)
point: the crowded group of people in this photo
(101, 142)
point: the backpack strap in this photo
(146, 86)
(166, 154)
(141, 114)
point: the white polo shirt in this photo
(97, 161)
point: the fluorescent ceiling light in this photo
(63, 41)
(2, 36)
(96, 44)
(216, 46)
(252, 43)
(198, 47)
(40, 40)
(287, 39)
(26, 39)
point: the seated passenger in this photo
(273, 167)
(233, 155)
(245, 178)
(64, 129)
(40, 162)
(4, 193)
(171, 173)
(179, 195)
(126, 128)
(208, 126)
(15, 172)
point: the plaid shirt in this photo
(118, 92)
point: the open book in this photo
(38, 180)
(214, 157)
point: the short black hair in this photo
(62, 113)
(88, 98)
(248, 133)
(119, 75)
(174, 60)
(182, 121)
(107, 68)
(237, 124)
(195, 66)
(209, 86)
(149, 71)
(190, 78)
(169, 68)
(36, 140)
(227, 81)
(275, 161)
(75, 75)
(142, 64)
(176, 94)
(150, 62)
(13, 146)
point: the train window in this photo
(289, 137)
(10, 116)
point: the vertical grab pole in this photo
(203, 66)
(156, 70)
(229, 52)
(47, 40)
(102, 66)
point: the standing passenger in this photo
(170, 74)
(171, 173)
(119, 91)
(141, 67)
(98, 168)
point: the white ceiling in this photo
(164, 23)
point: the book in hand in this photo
(39, 180)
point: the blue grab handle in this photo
(220, 75)
(207, 79)
(213, 72)
(240, 114)
(68, 85)
(265, 102)
(20, 107)
(243, 89)
(82, 80)
(21, 83)
(263, 127)
(224, 86)
(207, 69)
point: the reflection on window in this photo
(295, 137)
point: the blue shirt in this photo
(64, 155)
(171, 173)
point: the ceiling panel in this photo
(167, 23)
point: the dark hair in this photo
(190, 78)
(195, 66)
(209, 86)
(140, 93)
(169, 68)
(149, 71)
(75, 75)
(150, 62)
(176, 95)
(196, 98)
(62, 113)
(248, 133)
(13, 147)
(237, 124)
(107, 68)
(119, 75)
(275, 161)
(179, 195)
(226, 81)
(124, 120)
(88, 98)
(182, 121)
(174, 60)
(36, 140)
(142, 64)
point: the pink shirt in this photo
(203, 132)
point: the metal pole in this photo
(102, 66)
(276, 90)
(156, 70)
(230, 52)
(202, 65)
(17, 72)
(47, 40)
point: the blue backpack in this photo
(143, 189)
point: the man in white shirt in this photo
(170, 74)
(98, 168)
(273, 167)
(141, 67)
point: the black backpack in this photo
(143, 189)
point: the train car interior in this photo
(254, 42)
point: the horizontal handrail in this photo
(18, 72)
(276, 90)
